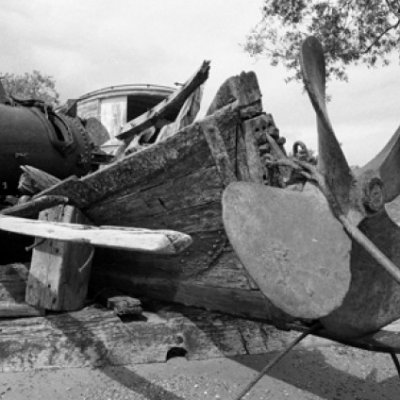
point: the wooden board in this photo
(94, 337)
(161, 242)
(59, 274)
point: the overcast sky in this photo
(89, 44)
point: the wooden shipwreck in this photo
(178, 195)
(177, 183)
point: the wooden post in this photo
(60, 270)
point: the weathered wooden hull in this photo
(178, 184)
(185, 195)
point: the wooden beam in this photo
(60, 270)
(135, 239)
(170, 106)
(34, 180)
(33, 207)
(94, 337)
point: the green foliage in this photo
(351, 31)
(33, 85)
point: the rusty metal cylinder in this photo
(36, 136)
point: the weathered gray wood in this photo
(186, 115)
(119, 302)
(124, 305)
(59, 274)
(13, 282)
(13, 279)
(161, 241)
(94, 337)
(34, 180)
(13, 309)
(173, 158)
(242, 89)
(176, 183)
(256, 170)
(218, 150)
(224, 296)
(32, 208)
(162, 111)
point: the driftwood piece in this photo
(32, 207)
(166, 111)
(34, 180)
(59, 274)
(119, 302)
(161, 242)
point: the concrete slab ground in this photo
(318, 370)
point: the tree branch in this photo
(375, 42)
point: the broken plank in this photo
(32, 207)
(152, 241)
(186, 115)
(34, 180)
(171, 105)
(120, 303)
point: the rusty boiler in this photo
(31, 133)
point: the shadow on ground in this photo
(311, 371)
